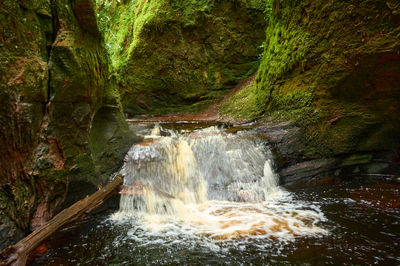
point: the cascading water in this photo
(210, 184)
(207, 197)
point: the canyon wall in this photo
(60, 114)
(180, 55)
(332, 68)
(327, 87)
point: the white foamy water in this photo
(212, 185)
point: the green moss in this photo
(335, 80)
(171, 56)
(243, 105)
(55, 83)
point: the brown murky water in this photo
(332, 221)
(363, 229)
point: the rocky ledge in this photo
(294, 164)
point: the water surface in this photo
(202, 196)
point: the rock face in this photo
(180, 55)
(333, 69)
(293, 164)
(54, 91)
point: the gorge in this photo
(297, 90)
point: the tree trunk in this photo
(17, 254)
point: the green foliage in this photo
(180, 55)
(285, 48)
(114, 20)
(317, 69)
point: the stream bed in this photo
(198, 195)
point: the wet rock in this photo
(376, 168)
(164, 133)
(357, 159)
(286, 141)
(224, 126)
(294, 163)
(109, 140)
(9, 232)
(308, 170)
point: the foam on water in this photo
(209, 186)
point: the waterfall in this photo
(217, 184)
(160, 177)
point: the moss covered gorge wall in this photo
(54, 93)
(177, 55)
(333, 69)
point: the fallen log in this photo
(18, 254)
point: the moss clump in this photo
(180, 55)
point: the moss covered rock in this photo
(180, 55)
(333, 68)
(54, 89)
